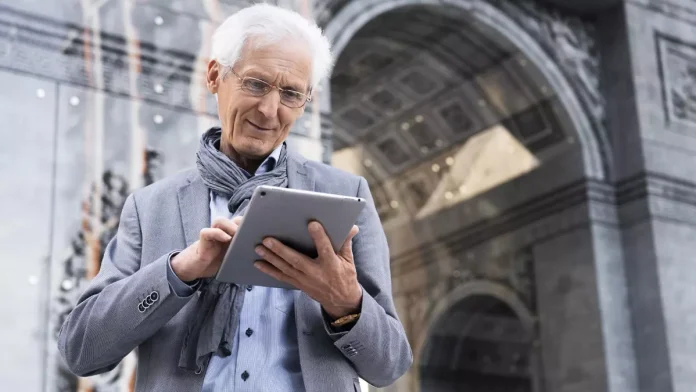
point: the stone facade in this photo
(582, 262)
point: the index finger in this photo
(229, 226)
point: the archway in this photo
(478, 344)
(456, 117)
(483, 16)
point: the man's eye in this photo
(256, 85)
(294, 95)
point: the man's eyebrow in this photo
(258, 74)
(293, 87)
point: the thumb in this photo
(346, 250)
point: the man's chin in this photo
(255, 149)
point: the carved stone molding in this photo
(652, 195)
(681, 10)
(532, 221)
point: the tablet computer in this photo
(284, 214)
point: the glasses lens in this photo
(292, 98)
(255, 86)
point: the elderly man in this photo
(155, 290)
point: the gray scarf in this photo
(212, 328)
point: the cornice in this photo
(580, 203)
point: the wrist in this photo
(350, 306)
(179, 264)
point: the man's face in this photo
(252, 126)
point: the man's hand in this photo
(203, 258)
(330, 279)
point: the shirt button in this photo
(245, 375)
(249, 288)
(249, 332)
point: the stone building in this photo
(532, 163)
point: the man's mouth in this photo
(258, 127)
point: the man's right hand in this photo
(203, 258)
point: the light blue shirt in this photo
(265, 353)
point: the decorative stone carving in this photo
(570, 42)
(678, 79)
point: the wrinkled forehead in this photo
(286, 60)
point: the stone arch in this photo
(476, 287)
(357, 13)
(473, 290)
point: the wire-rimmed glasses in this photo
(259, 88)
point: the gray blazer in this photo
(106, 323)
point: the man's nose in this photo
(269, 104)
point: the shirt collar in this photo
(268, 164)
(271, 160)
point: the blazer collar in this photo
(300, 176)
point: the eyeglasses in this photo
(259, 88)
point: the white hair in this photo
(268, 24)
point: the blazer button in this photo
(346, 347)
(155, 296)
(149, 301)
(141, 308)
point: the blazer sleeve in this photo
(122, 306)
(377, 344)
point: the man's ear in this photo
(213, 76)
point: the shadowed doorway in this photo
(478, 345)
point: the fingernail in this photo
(314, 226)
(257, 265)
(259, 251)
(268, 243)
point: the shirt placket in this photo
(247, 366)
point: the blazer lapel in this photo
(194, 207)
(299, 176)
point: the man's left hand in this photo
(330, 279)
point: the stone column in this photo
(649, 77)
(569, 324)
